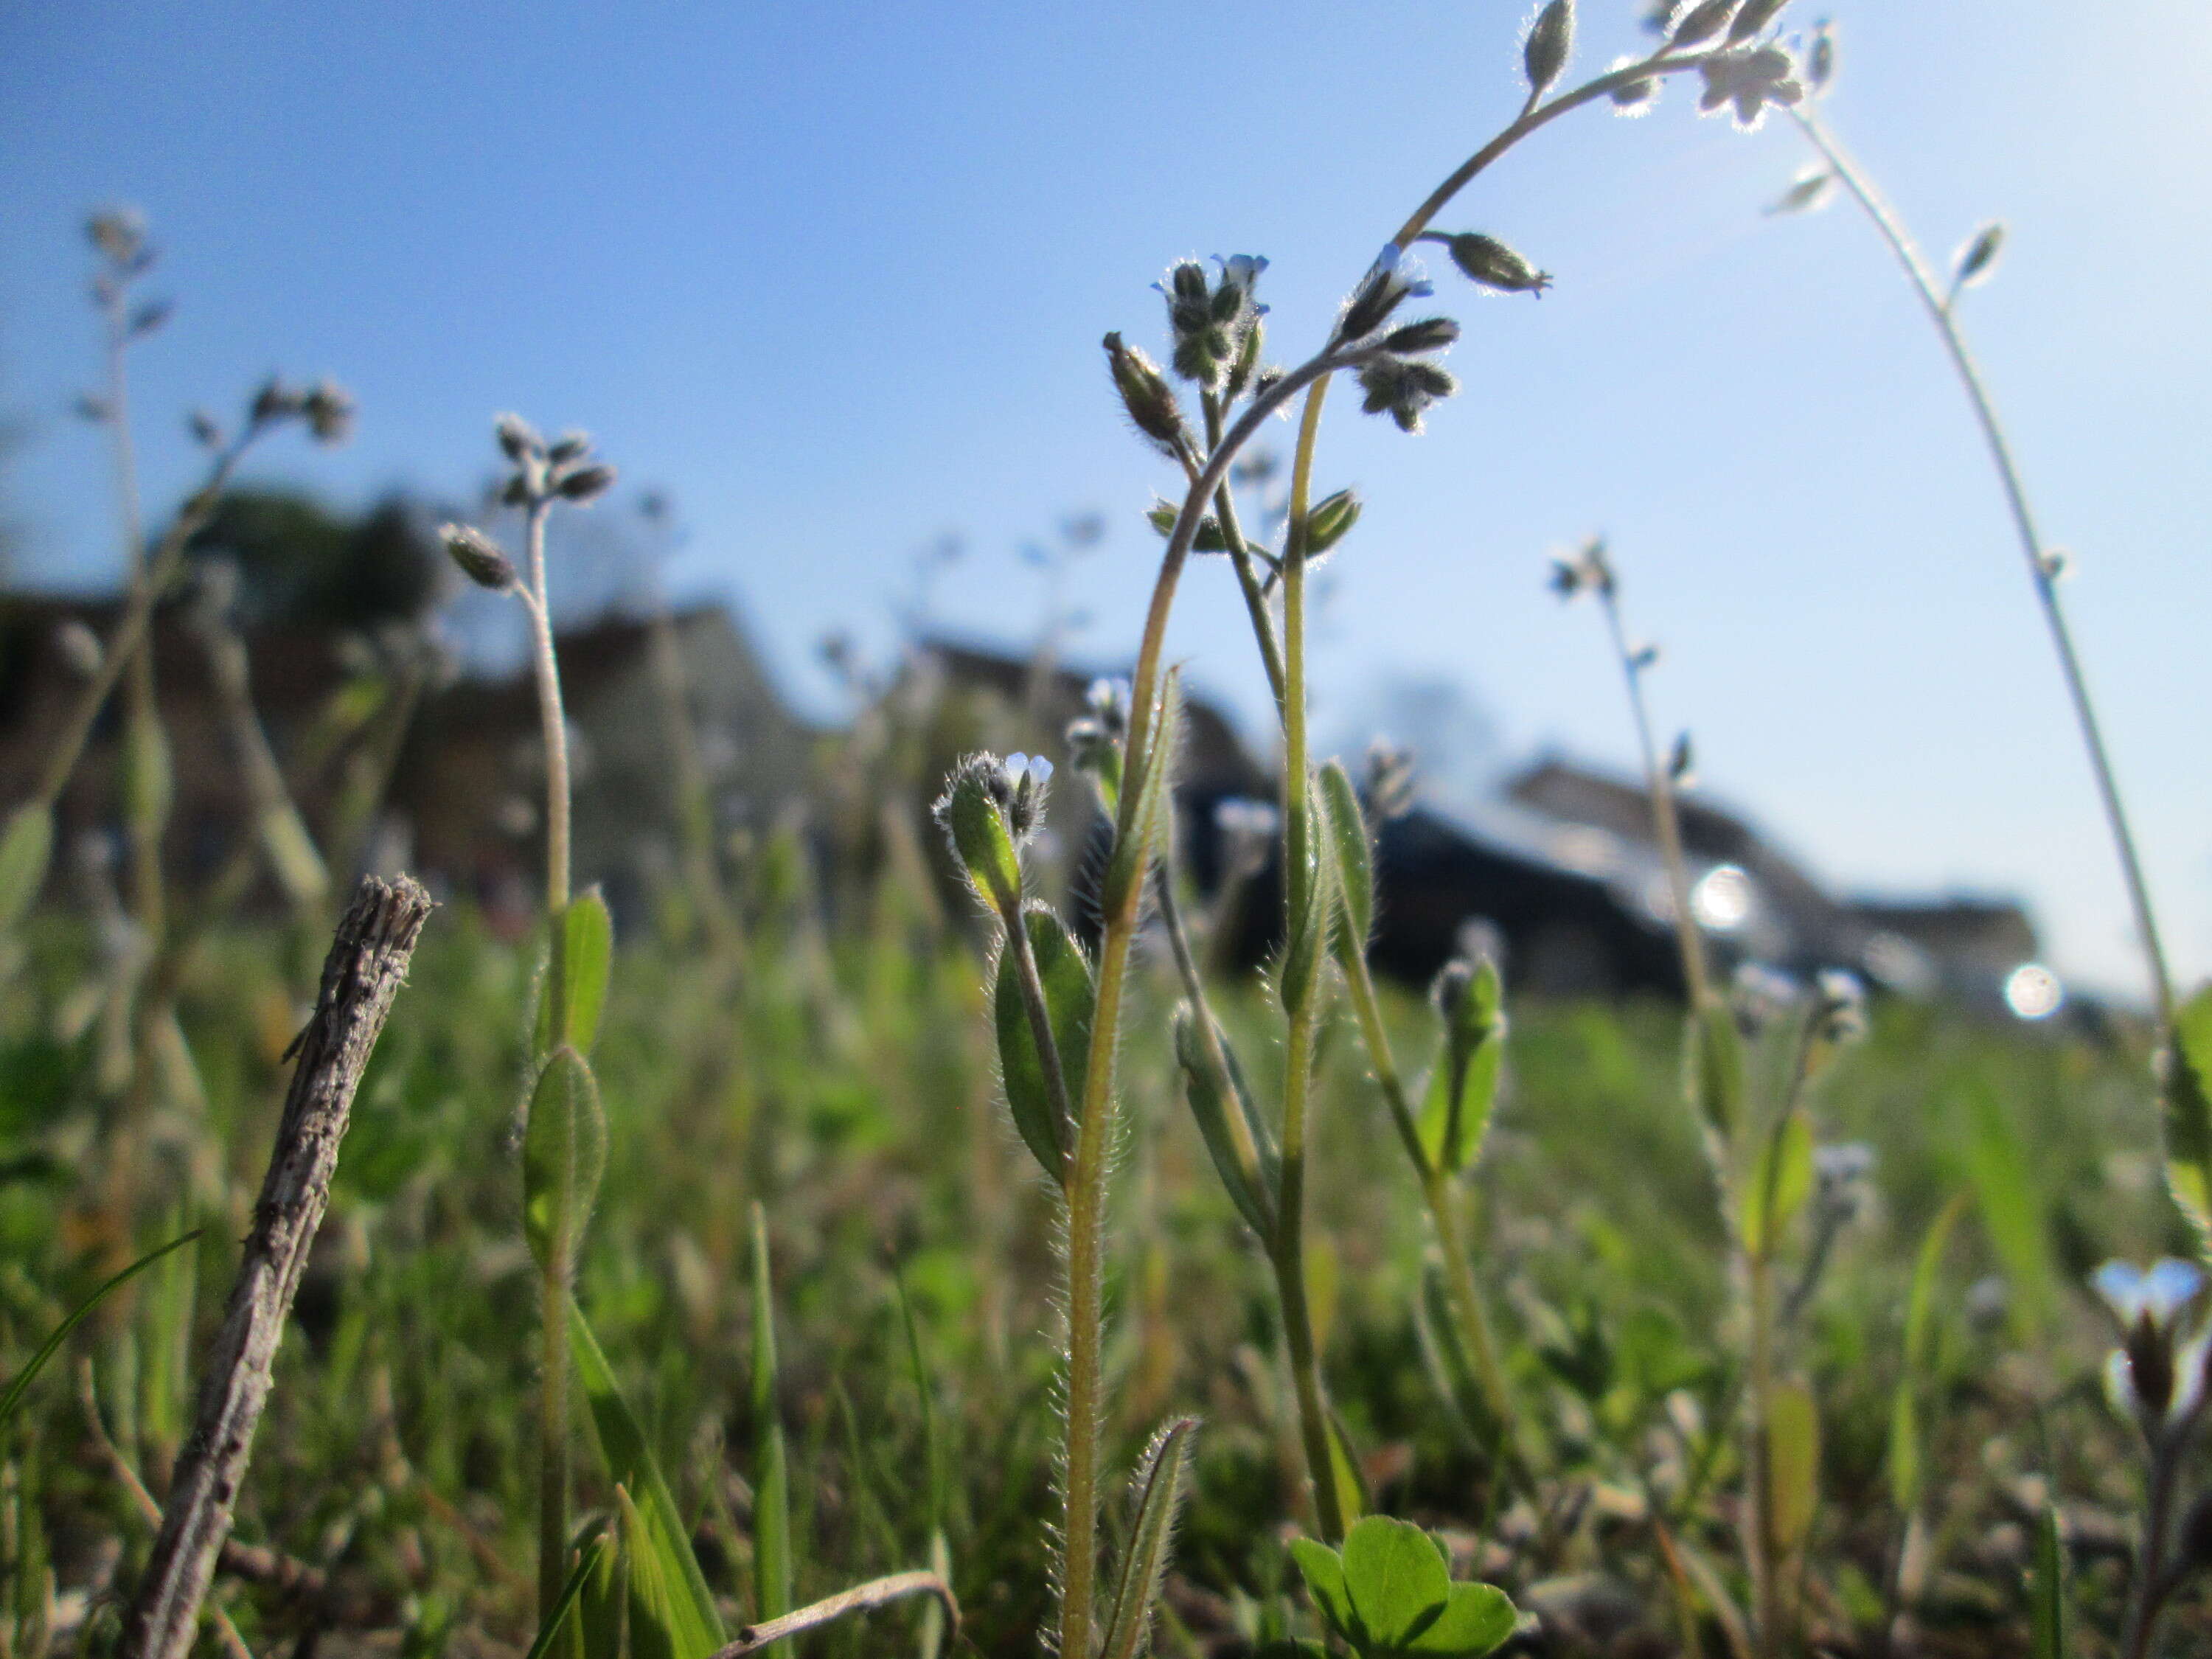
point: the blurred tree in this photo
(301, 564)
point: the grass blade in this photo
(564, 1609)
(697, 1627)
(12, 1399)
(772, 1554)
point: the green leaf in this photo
(2186, 1096)
(2012, 1205)
(1242, 1150)
(11, 1398)
(1781, 1181)
(1713, 1069)
(1346, 831)
(2047, 1589)
(1793, 1461)
(1064, 973)
(1310, 926)
(1919, 1308)
(659, 1620)
(1322, 1568)
(695, 1628)
(1398, 1581)
(772, 1553)
(1132, 852)
(1477, 1619)
(1462, 1086)
(1158, 1491)
(149, 784)
(1351, 1490)
(26, 849)
(585, 960)
(602, 1606)
(564, 1609)
(564, 1153)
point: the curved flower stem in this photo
(1940, 313)
(553, 1425)
(1094, 1127)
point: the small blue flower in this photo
(2158, 1295)
(1390, 281)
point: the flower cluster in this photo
(561, 471)
(1094, 739)
(1216, 326)
(1586, 570)
(328, 410)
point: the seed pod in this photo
(1755, 15)
(1430, 334)
(585, 483)
(1979, 259)
(1701, 24)
(1486, 260)
(1145, 395)
(478, 556)
(1550, 41)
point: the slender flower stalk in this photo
(2042, 570)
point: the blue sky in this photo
(835, 277)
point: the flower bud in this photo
(1701, 23)
(1145, 395)
(1544, 54)
(119, 233)
(1430, 334)
(1820, 59)
(973, 812)
(1486, 260)
(479, 556)
(1328, 521)
(275, 402)
(1979, 259)
(150, 316)
(569, 446)
(80, 648)
(517, 440)
(584, 483)
(1755, 15)
(206, 431)
(328, 408)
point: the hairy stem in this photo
(1940, 313)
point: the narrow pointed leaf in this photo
(11, 1398)
(1064, 973)
(772, 1553)
(660, 1626)
(564, 1153)
(1793, 1461)
(1215, 1093)
(2186, 1092)
(1133, 851)
(585, 962)
(1144, 1559)
(565, 1609)
(27, 848)
(698, 1626)
(1919, 1309)
(1780, 1183)
(2047, 1589)
(1346, 832)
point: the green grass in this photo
(858, 1106)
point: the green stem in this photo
(1289, 1261)
(1940, 312)
(1760, 1554)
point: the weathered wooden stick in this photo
(861, 1598)
(367, 961)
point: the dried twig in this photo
(362, 974)
(861, 1598)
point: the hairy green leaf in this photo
(564, 1153)
(585, 960)
(1793, 1461)
(1158, 1492)
(1781, 1181)
(1919, 1310)
(1228, 1120)
(1065, 975)
(2187, 1093)
(1346, 829)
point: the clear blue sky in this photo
(835, 277)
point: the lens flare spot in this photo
(1722, 900)
(2032, 991)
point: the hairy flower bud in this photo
(584, 483)
(119, 233)
(1755, 15)
(328, 408)
(275, 402)
(1430, 334)
(1550, 41)
(518, 439)
(569, 446)
(1701, 23)
(206, 431)
(1978, 259)
(1329, 521)
(150, 316)
(1389, 282)
(478, 556)
(1486, 260)
(1145, 395)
